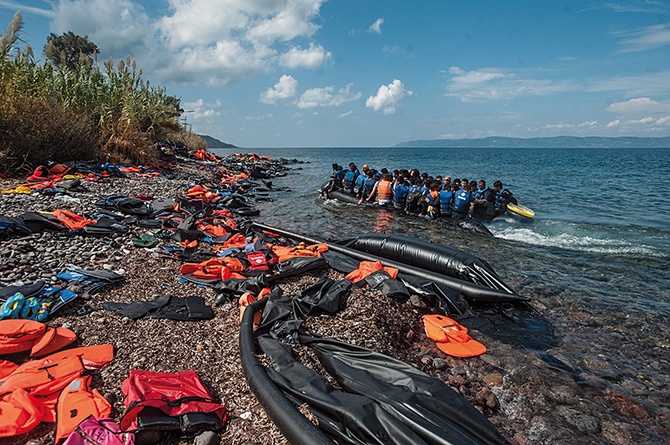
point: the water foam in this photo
(570, 241)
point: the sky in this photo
(375, 73)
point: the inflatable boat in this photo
(469, 224)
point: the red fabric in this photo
(160, 390)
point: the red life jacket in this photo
(175, 394)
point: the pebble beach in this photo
(493, 383)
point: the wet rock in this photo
(627, 406)
(427, 360)
(458, 370)
(562, 394)
(207, 438)
(583, 422)
(486, 398)
(455, 380)
(490, 359)
(618, 433)
(417, 302)
(438, 363)
(493, 379)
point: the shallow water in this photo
(595, 262)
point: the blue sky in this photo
(315, 73)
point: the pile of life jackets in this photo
(53, 387)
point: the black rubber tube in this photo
(292, 424)
(472, 292)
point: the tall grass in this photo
(103, 112)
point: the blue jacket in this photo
(446, 199)
(359, 183)
(400, 196)
(462, 202)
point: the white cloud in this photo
(285, 20)
(119, 28)
(200, 110)
(14, 6)
(311, 57)
(498, 84)
(348, 113)
(376, 27)
(388, 97)
(646, 124)
(638, 105)
(327, 97)
(286, 88)
(645, 38)
(229, 41)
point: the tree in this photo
(69, 49)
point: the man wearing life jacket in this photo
(503, 197)
(349, 178)
(368, 185)
(359, 183)
(484, 201)
(447, 200)
(414, 195)
(429, 204)
(400, 192)
(383, 191)
(462, 202)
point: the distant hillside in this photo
(215, 143)
(548, 142)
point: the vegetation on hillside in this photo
(78, 110)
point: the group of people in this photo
(419, 193)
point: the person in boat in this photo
(503, 197)
(446, 185)
(368, 186)
(463, 202)
(359, 183)
(339, 173)
(447, 199)
(429, 205)
(329, 187)
(484, 201)
(400, 192)
(383, 191)
(413, 196)
(349, 179)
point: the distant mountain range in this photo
(546, 142)
(215, 143)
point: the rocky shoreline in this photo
(209, 347)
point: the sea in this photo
(594, 262)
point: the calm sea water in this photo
(594, 261)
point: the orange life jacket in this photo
(72, 220)
(21, 412)
(384, 190)
(284, 253)
(77, 402)
(17, 335)
(367, 267)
